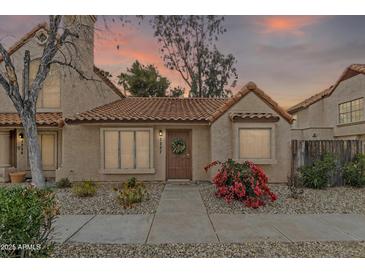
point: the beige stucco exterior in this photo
(80, 145)
(82, 155)
(320, 121)
(223, 134)
(76, 94)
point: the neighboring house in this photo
(335, 113)
(108, 138)
(64, 93)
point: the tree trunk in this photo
(34, 153)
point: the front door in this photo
(178, 154)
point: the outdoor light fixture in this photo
(160, 133)
(21, 136)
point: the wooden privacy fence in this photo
(304, 153)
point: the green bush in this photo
(64, 183)
(318, 175)
(354, 172)
(26, 218)
(131, 192)
(85, 189)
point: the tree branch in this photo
(26, 76)
(70, 65)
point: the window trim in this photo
(236, 152)
(120, 170)
(350, 112)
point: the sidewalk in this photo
(182, 218)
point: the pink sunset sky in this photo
(289, 57)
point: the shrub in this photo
(26, 218)
(354, 172)
(64, 183)
(85, 189)
(244, 182)
(319, 173)
(131, 192)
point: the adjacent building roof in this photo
(250, 87)
(152, 109)
(349, 72)
(53, 119)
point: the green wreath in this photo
(178, 146)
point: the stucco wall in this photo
(321, 116)
(222, 139)
(82, 150)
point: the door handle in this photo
(187, 155)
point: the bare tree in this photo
(25, 101)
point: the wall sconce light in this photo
(160, 133)
(21, 137)
(314, 135)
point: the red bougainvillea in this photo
(244, 182)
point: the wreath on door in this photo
(178, 146)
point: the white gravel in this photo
(105, 202)
(245, 250)
(312, 201)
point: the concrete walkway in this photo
(182, 218)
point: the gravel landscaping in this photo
(312, 201)
(105, 202)
(246, 250)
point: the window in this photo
(4, 149)
(352, 111)
(255, 143)
(48, 146)
(127, 149)
(49, 96)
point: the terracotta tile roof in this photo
(250, 87)
(249, 116)
(43, 119)
(349, 72)
(152, 109)
(309, 101)
(108, 82)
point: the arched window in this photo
(49, 97)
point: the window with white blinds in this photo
(127, 149)
(255, 143)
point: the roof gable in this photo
(349, 72)
(22, 41)
(248, 88)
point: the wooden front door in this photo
(178, 166)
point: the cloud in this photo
(293, 25)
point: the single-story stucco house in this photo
(338, 112)
(90, 130)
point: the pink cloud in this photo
(286, 24)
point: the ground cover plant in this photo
(85, 189)
(131, 192)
